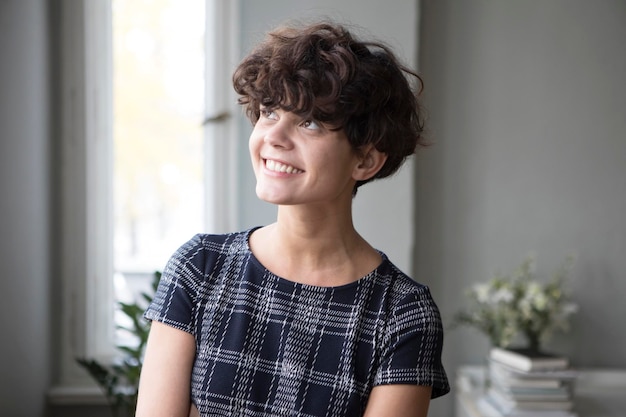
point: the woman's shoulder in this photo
(409, 305)
(216, 243)
(401, 287)
(204, 251)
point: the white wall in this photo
(24, 208)
(383, 210)
(527, 101)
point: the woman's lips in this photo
(281, 167)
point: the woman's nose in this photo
(278, 135)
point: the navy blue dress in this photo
(267, 346)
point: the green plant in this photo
(519, 305)
(120, 379)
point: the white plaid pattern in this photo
(267, 346)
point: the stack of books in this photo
(525, 384)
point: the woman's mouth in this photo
(276, 166)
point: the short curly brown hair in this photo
(324, 73)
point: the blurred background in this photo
(119, 139)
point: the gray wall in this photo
(527, 104)
(24, 208)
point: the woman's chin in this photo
(272, 197)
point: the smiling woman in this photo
(297, 160)
(342, 87)
(302, 317)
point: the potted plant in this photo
(120, 380)
(518, 304)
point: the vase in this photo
(533, 340)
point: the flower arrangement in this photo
(508, 306)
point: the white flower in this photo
(482, 292)
(503, 295)
(540, 302)
(518, 303)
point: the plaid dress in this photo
(266, 346)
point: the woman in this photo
(302, 317)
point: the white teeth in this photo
(279, 167)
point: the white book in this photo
(564, 375)
(533, 394)
(526, 360)
(490, 409)
(507, 404)
(505, 377)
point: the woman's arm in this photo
(165, 383)
(398, 400)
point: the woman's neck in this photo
(314, 248)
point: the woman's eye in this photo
(268, 114)
(310, 124)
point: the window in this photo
(158, 159)
(203, 162)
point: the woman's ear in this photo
(371, 161)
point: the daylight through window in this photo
(158, 96)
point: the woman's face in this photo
(300, 161)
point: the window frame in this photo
(85, 97)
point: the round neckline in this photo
(281, 279)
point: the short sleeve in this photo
(412, 344)
(174, 301)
